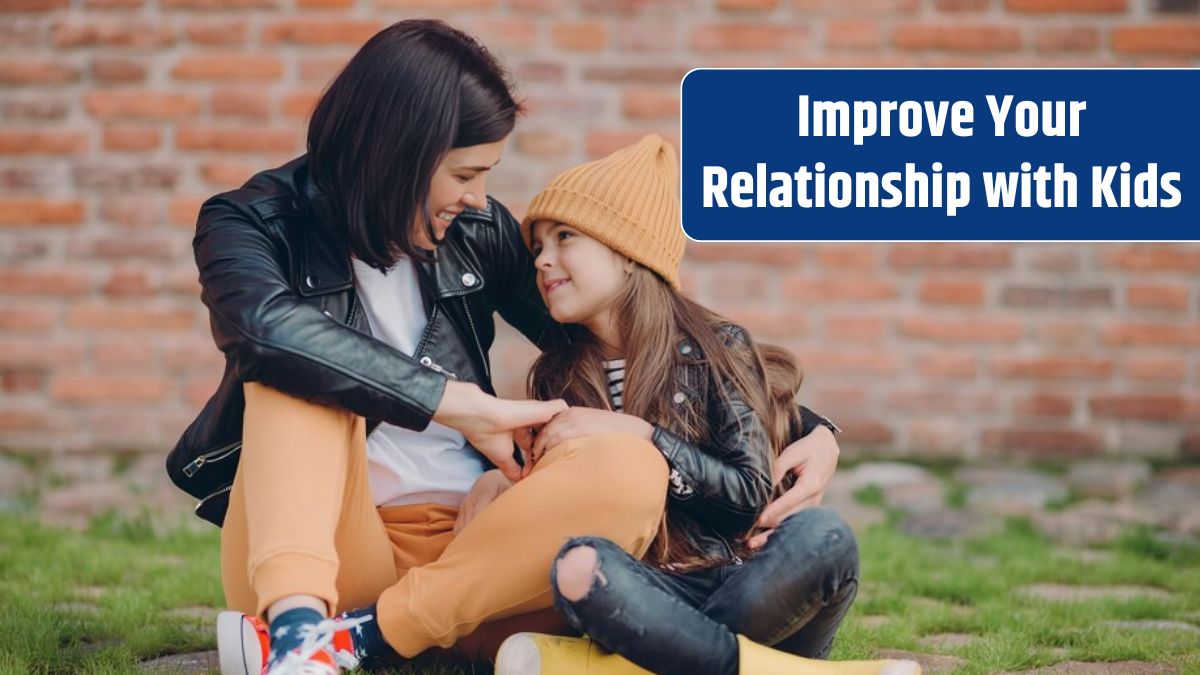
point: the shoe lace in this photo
(319, 637)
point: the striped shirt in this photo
(614, 371)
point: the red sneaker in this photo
(244, 647)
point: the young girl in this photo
(638, 357)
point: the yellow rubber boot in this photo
(538, 654)
(756, 659)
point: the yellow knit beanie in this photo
(629, 201)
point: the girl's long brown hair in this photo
(652, 318)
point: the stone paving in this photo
(1089, 504)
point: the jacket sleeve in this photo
(273, 336)
(727, 483)
(516, 294)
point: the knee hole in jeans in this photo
(576, 571)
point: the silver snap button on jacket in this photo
(469, 279)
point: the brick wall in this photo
(121, 116)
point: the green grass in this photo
(133, 573)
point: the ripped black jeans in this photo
(792, 595)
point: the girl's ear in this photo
(630, 265)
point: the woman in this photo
(638, 357)
(352, 292)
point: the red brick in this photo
(124, 33)
(957, 37)
(950, 256)
(184, 210)
(22, 381)
(113, 388)
(321, 69)
(748, 37)
(192, 355)
(227, 175)
(220, 5)
(1157, 296)
(739, 286)
(1056, 296)
(949, 365)
(1066, 39)
(506, 34)
(952, 292)
(138, 316)
(962, 5)
(1151, 407)
(841, 257)
(127, 351)
(223, 32)
(34, 71)
(300, 103)
(38, 142)
(228, 66)
(650, 104)
(1190, 446)
(1165, 38)
(13, 6)
(1132, 334)
(864, 432)
(855, 327)
(926, 401)
(579, 35)
(542, 72)
(105, 176)
(324, 4)
(246, 103)
(788, 255)
(769, 324)
(1054, 368)
(27, 318)
(851, 362)
(1153, 257)
(543, 144)
(857, 6)
(118, 71)
(961, 330)
(1040, 443)
(320, 31)
(38, 352)
(141, 104)
(1060, 6)
(647, 36)
(129, 283)
(106, 5)
(843, 289)
(441, 5)
(44, 281)
(1155, 368)
(853, 34)
(133, 211)
(746, 5)
(34, 211)
(603, 143)
(237, 139)
(25, 420)
(1044, 405)
(1048, 259)
(34, 109)
(129, 138)
(122, 246)
(643, 74)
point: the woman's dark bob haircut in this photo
(414, 91)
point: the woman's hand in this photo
(488, 423)
(487, 487)
(812, 460)
(578, 422)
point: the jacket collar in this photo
(324, 261)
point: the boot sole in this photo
(519, 655)
(237, 645)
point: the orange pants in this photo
(302, 520)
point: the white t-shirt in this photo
(435, 466)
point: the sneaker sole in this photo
(237, 645)
(519, 655)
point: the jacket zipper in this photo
(428, 330)
(221, 491)
(211, 456)
(353, 311)
(482, 357)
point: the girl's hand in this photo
(812, 459)
(487, 487)
(579, 422)
(488, 422)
